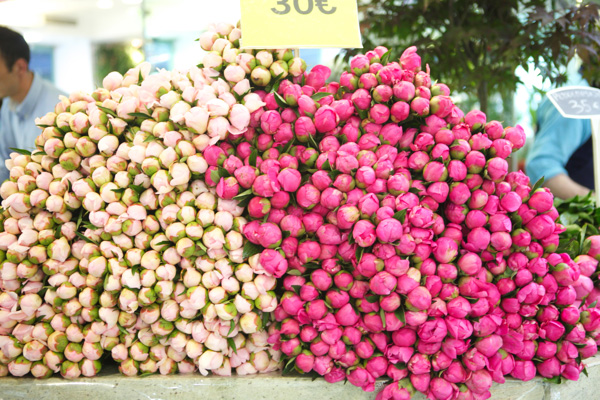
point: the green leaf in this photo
(582, 236)
(313, 142)
(150, 138)
(215, 176)
(382, 316)
(326, 166)
(223, 173)
(80, 218)
(231, 327)
(274, 85)
(537, 185)
(252, 158)
(166, 242)
(280, 100)
(372, 299)
(140, 115)
(20, 151)
(278, 79)
(288, 146)
(245, 201)
(351, 239)
(107, 110)
(359, 253)
(517, 221)
(334, 174)
(251, 249)
(243, 195)
(573, 249)
(265, 319)
(401, 314)
(320, 95)
(119, 190)
(556, 380)
(363, 114)
(294, 272)
(289, 366)
(83, 237)
(585, 372)
(139, 189)
(296, 289)
(145, 374)
(88, 225)
(385, 58)
(312, 266)
(231, 344)
(106, 277)
(400, 215)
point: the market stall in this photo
(224, 230)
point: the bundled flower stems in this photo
(246, 216)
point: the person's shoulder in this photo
(49, 95)
(4, 108)
(48, 88)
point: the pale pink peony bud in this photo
(112, 81)
(209, 360)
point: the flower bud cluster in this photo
(113, 242)
(407, 249)
(246, 214)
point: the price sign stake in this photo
(582, 102)
(279, 24)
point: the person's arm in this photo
(564, 187)
(556, 141)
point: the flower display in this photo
(248, 215)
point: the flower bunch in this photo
(407, 249)
(116, 242)
(247, 214)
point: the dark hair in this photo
(13, 47)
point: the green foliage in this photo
(111, 57)
(475, 46)
(581, 218)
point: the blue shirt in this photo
(555, 142)
(17, 121)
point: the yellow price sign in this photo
(278, 24)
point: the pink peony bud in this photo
(273, 262)
(418, 299)
(383, 283)
(516, 136)
(446, 250)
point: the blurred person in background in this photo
(562, 152)
(25, 97)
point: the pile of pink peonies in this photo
(246, 214)
(408, 251)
